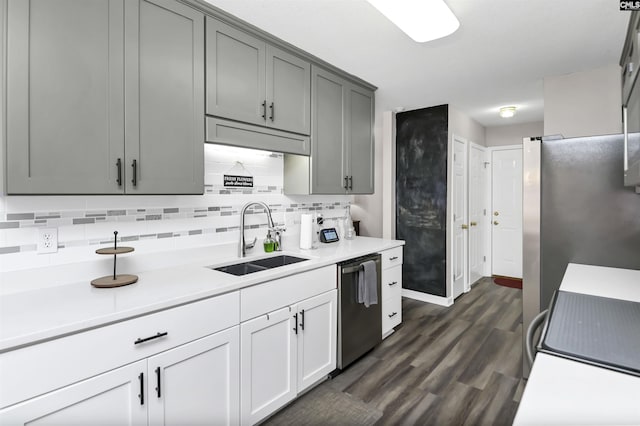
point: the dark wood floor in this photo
(444, 366)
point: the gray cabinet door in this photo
(164, 100)
(64, 96)
(288, 91)
(360, 140)
(235, 74)
(328, 169)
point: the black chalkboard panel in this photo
(421, 197)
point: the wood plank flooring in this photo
(444, 366)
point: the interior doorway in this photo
(506, 211)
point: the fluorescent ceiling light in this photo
(507, 111)
(422, 20)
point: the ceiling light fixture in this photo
(507, 112)
(422, 20)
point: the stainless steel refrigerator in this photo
(576, 209)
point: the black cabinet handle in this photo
(119, 166)
(273, 112)
(158, 381)
(146, 339)
(302, 320)
(264, 110)
(393, 283)
(393, 258)
(393, 315)
(141, 394)
(134, 181)
(351, 182)
(295, 317)
(346, 182)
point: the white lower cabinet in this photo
(111, 398)
(317, 338)
(284, 352)
(391, 290)
(196, 383)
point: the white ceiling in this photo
(499, 55)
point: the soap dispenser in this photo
(269, 243)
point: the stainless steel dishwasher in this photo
(359, 327)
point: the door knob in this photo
(496, 213)
(495, 222)
(474, 224)
(465, 226)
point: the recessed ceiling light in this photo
(422, 20)
(507, 112)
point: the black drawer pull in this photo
(393, 283)
(141, 394)
(393, 315)
(119, 166)
(146, 339)
(158, 390)
(134, 165)
(393, 258)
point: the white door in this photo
(113, 398)
(506, 219)
(268, 362)
(459, 231)
(197, 383)
(317, 338)
(477, 211)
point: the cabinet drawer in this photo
(40, 368)
(392, 282)
(391, 257)
(391, 313)
(267, 297)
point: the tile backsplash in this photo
(156, 223)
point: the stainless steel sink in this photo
(258, 265)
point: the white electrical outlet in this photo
(47, 240)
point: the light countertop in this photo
(564, 392)
(35, 315)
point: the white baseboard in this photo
(429, 298)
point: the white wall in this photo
(462, 125)
(583, 103)
(513, 134)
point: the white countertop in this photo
(32, 316)
(564, 392)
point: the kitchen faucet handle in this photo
(251, 245)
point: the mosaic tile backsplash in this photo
(88, 221)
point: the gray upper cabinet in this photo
(94, 85)
(360, 147)
(342, 149)
(253, 82)
(288, 92)
(235, 74)
(164, 98)
(64, 96)
(328, 143)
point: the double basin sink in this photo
(258, 265)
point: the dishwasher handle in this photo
(531, 331)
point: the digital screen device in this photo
(329, 235)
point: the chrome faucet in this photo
(242, 249)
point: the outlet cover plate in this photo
(47, 240)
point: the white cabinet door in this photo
(317, 338)
(113, 398)
(197, 383)
(268, 364)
